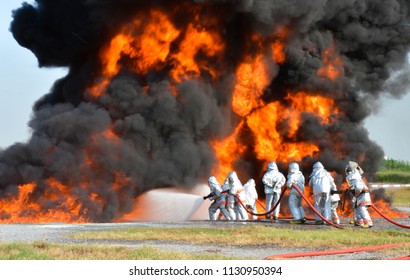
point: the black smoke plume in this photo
(162, 139)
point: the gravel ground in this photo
(58, 233)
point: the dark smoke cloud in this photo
(163, 140)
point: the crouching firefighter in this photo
(219, 199)
(360, 195)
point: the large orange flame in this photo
(155, 43)
(227, 152)
(145, 42)
(252, 79)
(185, 61)
(64, 206)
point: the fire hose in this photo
(313, 208)
(335, 252)
(331, 252)
(277, 203)
(387, 218)
(266, 213)
(402, 258)
(377, 211)
(260, 203)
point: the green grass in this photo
(50, 251)
(258, 235)
(247, 235)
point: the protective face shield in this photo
(232, 176)
(318, 165)
(272, 166)
(348, 169)
(293, 167)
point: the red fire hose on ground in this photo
(331, 252)
(402, 258)
(387, 218)
(335, 252)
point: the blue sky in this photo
(22, 82)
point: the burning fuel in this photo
(167, 93)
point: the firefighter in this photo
(219, 200)
(321, 182)
(361, 194)
(334, 204)
(356, 220)
(273, 180)
(225, 190)
(295, 199)
(251, 197)
(236, 193)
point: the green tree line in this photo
(394, 171)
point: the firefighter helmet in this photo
(293, 167)
(318, 165)
(251, 182)
(272, 166)
(232, 177)
(353, 166)
(212, 180)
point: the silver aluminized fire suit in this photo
(251, 196)
(361, 194)
(334, 204)
(354, 166)
(225, 190)
(236, 190)
(273, 181)
(321, 182)
(295, 199)
(218, 198)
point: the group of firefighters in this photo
(232, 197)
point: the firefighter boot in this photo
(359, 223)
